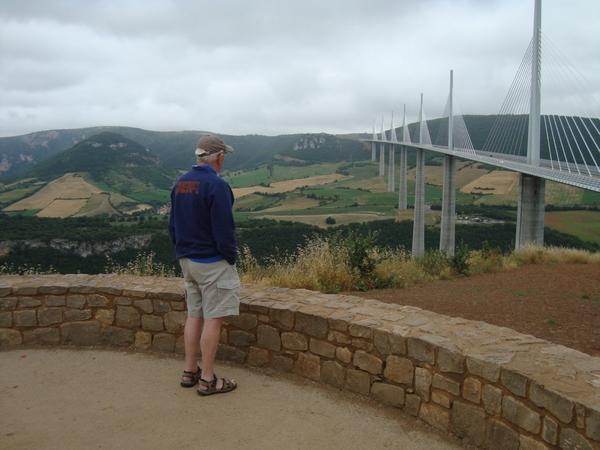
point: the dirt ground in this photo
(558, 303)
(89, 399)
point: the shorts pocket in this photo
(228, 291)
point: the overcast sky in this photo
(270, 66)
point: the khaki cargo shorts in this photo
(212, 290)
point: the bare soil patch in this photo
(559, 303)
(289, 185)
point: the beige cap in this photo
(210, 144)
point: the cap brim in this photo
(228, 148)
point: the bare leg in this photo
(209, 342)
(191, 339)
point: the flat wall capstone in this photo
(491, 386)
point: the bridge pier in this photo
(391, 169)
(447, 233)
(418, 243)
(403, 186)
(530, 214)
(382, 159)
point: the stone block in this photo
(126, 301)
(472, 390)
(549, 431)
(435, 416)
(97, 301)
(80, 333)
(145, 305)
(344, 355)
(8, 304)
(492, 399)
(358, 381)
(28, 302)
(175, 321)
(143, 340)
(49, 316)
(282, 364)
(24, 290)
(580, 415)
(127, 317)
(244, 321)
(451, 360)
(42, 336)
(361, 331)
(423, 381)
(490, 370)
(161, 306)
(294, 341)
(592, 424)
(55, 300)
(516, 412)
(163, 342)
(514, 382)
(561, 407)
(258, 357)
(441, 398)
(529, 443)
(388, 394)
(500, 437)
(421, 350)
(6, 320)
(152, 323)
(241, 338)
(339, 324)
(468, 422)
(388, 343)
(179, 345)
(412, 404)
(362, 344)
(283, 318)
(268, 337)
(446, 384)
(27, 318)
(5, 290)
(400, 370)
(322, 348)
(75, 301)
(338, 337)
(308, 366)
(10, 337)
(59, 288)
(77, 315)
(178, 306)
(333, 374)
(572, 440)
(315, 326)
(117, 336)
(106, 316)
(367, 362)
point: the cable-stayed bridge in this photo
(564, 148)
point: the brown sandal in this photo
(194, 377)
(211, 386)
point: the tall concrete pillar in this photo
(373, 151)
(391, 169)
(381, 159)
(403, 187)
(418, 243)
(530, 214)
(447, 232)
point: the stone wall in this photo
(491, 386)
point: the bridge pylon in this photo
(418, 243)
(448, 225)
(532, 190)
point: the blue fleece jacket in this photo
(201, 222)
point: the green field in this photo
(583, 224)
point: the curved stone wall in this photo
(492, 386)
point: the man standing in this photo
(203, 232)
